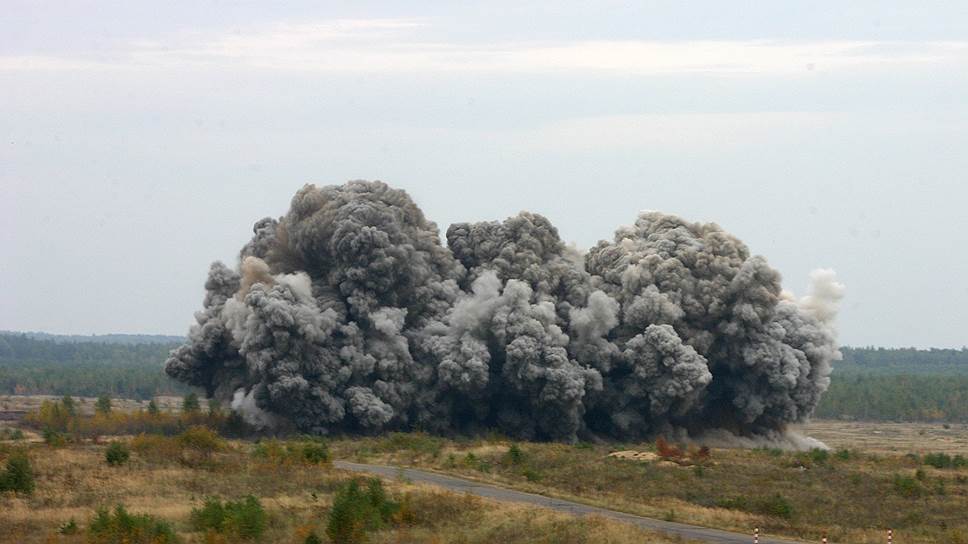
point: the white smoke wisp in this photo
(349, 314)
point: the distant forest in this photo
(65, 365)
(902, 384)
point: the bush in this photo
(103, 405)
(310, 452)
(69, 528)
(243, 519)
(190, 404)
(153, 408)
(514, 455)
(18, 475)
(356, 511)
(907, 486)
(943, 460)
(53, 438)
(120, 527)
(819, 456)
(198, 444)
(315, 453)
(117, 454)
(776, 505)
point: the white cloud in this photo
(403, 46)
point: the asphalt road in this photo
(459, 485)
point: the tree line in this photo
(905, 384)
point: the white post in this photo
(890, 536)
(756, 535)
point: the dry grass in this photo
(881, 437)
(852, 499)
(74, 480)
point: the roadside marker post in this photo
(824, 540)
(890, 536)
(756, 535)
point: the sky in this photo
(141, 140)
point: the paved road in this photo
(460, 485)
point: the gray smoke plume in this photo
(348, 314)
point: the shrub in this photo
(514, 455)
(843, 454)
(310, 452)
(356, 511)
(69, 528)
(943, 460)
(11, 434)
(18, 475)
(153, 408)
(190, 404)
(313, 538)
(776, 505)
(907, 486)
(243, 519)
(120, 527)
(53, 438)
(70, 408)
(117, 454)
(103, 405)
(198, 444)
(315, 452)
(819, 455)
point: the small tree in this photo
(190, 404)
(103, 405)
(117, 454)
(213, 407)
(153, 408)
(18, 476)
(70, 408)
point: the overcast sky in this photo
(140, 142)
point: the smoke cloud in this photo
(348, 314)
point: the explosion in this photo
(349, 315)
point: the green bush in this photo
(69, 528)
(514, 455)
(103, 405)
(53, 438)
(907, 486)
(190, 404)
(117, 454)
(11, 434)
(356, 511)
(315, 452)
(120, 527)
(943, 460)
(310, 452)
(776, 505)
(819, 456)
(18, 475)
(243, 519)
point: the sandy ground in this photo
(880, 437)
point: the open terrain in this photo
(876, 476)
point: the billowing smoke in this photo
(348, 314)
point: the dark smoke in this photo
(347, 314)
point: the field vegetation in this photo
(850, 495)
(182, 481)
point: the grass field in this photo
(876, 476)
(73, 480)
(852, 494)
